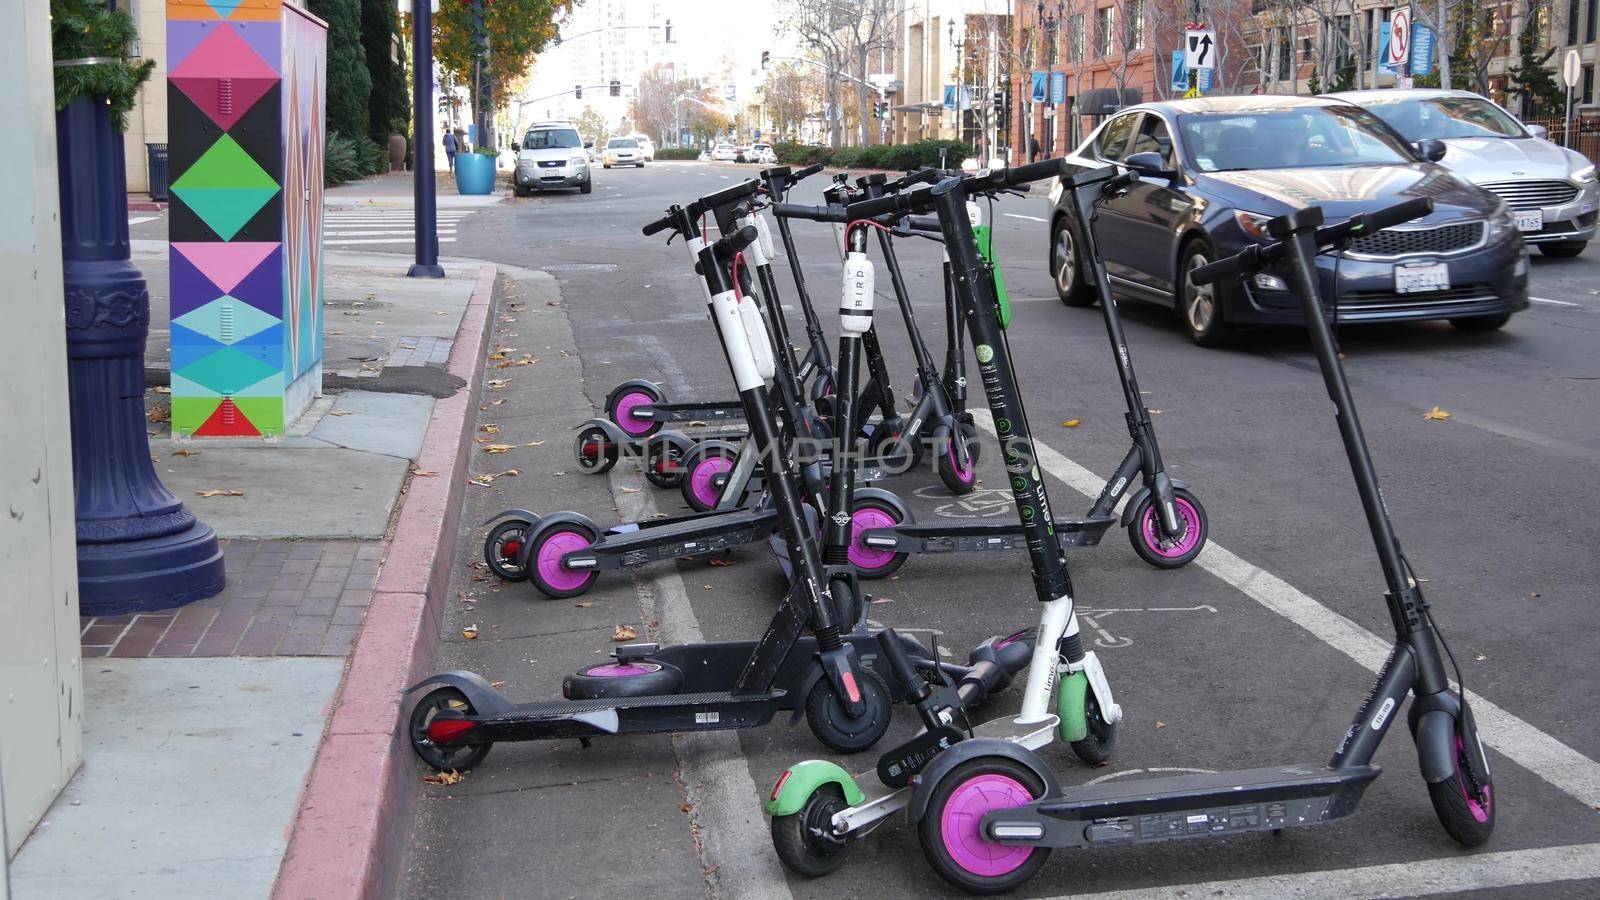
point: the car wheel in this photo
(1563, 249)
(519, 192)
(587, 186)
(1201, 307)
(605, 165)
(1064, 262)
(1481, 323)
(640, 166)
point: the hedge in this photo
(880, 156)
(678, 153)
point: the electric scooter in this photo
(832, 675)
(992, 819)
(818, 809)
(563, 553)
(1164, 520)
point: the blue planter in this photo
(474, 173)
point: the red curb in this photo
(348, 837)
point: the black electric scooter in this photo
(1002, 840)
(1165, 522)
(832, 674)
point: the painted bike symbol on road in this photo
(1095, 620)
(984, 503)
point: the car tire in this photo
(1066, 268)
(605, 165)
(639, 166)
(1563, 249)
(519, 192)
(1200, 308)
(587, 187)
(1479, 324)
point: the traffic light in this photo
(999, 101)
(766, 59)
(616, 88)
(667, 38)
(577, 91)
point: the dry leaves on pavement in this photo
(489, 428)
(1436, 414)
(449, 777)
(497, 448)
(624, 633)
(470, 632)
(1071, 423)
(489, 479)
(219, 493)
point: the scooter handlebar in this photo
(725, 196)
(732, 243)
(658, 225)
(1242, 263)
(1257, 257)
(810, 213)
(805, 173)
(899, 663)
(892, 204)
(1367, 223)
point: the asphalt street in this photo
(1256, 654)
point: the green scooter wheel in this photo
(804, 839)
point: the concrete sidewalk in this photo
(199, 797)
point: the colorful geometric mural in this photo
(246, 314)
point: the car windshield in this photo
(623, 142)
(551, 139)
(1290, 138)
(1418, 118)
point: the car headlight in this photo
(1585, 175)
(577, 161)
(1254, 224)
(1501, 222)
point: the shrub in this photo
(490, 152)
(343, 159)
(879, 156)
(678, 153)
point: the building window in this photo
(1305, 50)
(1589, 31)
(1574, 13)
(1341, 41)
(1285, 56)
(1587, 94)
(1134, 39)
(1105, 25)
(1076, 38)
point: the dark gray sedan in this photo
(1216, 170)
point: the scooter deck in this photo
(630, 715)
(715, 411)
(691, 536)
(1184, 806)
(939, 537)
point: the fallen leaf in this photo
(186, 452)
(584, 605)
(684, 807)
(497, 356)
(423, 473)
(719, 561)
(1161, 724)
(497, 685)
(489, 428)
(470, 632)
(338, 412)
(159, 414)
(497, 402)
(371, 368)
(154, 458)
(706, 586)
(629, 490)
(624, 633)
(1436, 414)
(1481, 657)
(497, 448)
(450, 777)
(1072, 423)
(496, 384)
(534, 444)
(219, 493)
(163, 389)
(1157, 412)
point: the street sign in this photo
(1201, 53)
(1041, 87)
(1571, 69)
(1399, 49)
(730, 92)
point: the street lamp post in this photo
(139, 547)
(424, 202)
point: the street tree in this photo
(793, 92)
(592, 126)
(844, 34)
(388, 103)
(518, 30)
(654, 107)
(349, 82)
(1530, 79)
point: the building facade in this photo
(953, 56)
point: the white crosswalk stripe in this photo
(350, 227)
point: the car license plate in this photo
(1419, 278)
(1530, 221)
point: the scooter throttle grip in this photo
(1397, 214)
(801, 211)
(1121, 180)
(1229, 267)
(878, 206)
(659, 225)
(922, 223)
(899, 662)
(805, 173)
(738, 240)
(1029, 172)
(728, 195)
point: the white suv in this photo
(551, 155)
(647, 147)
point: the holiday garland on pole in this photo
(90, 46)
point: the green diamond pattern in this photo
(225, 187)
(227, 320)
(227, 371)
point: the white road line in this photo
(1021, 216)
(1406, 879)
(334, 234)
(1554, 302)
(405, 240)
(139, 220)
(1563, 767)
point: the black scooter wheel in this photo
(546, 548)
(459, 757)
(632, 678)
(825, 713)
(1096, 747)
(594, 450)
(502, 547)
(1466, 815)
(663, 461)
(961, 480)
(1144, 532)
(949, 829)
(804, 839)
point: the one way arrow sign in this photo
(1202, 45)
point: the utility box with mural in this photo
(246, 91)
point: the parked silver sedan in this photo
(1551, 190)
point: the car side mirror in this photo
(1538, 131)
(1430, 150)
(588, 145)
(1150, 165)
(516, 147)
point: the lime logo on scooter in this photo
(985, 353)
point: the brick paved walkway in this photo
(283, 598)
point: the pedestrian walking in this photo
(450, 147)
(1033, 149)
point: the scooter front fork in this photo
(1172, 526)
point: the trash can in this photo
(158, 171)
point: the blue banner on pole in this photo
(1180, 74)
(1041, 87)
(1383, 51)
(1058, 87)
(1422, 49)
